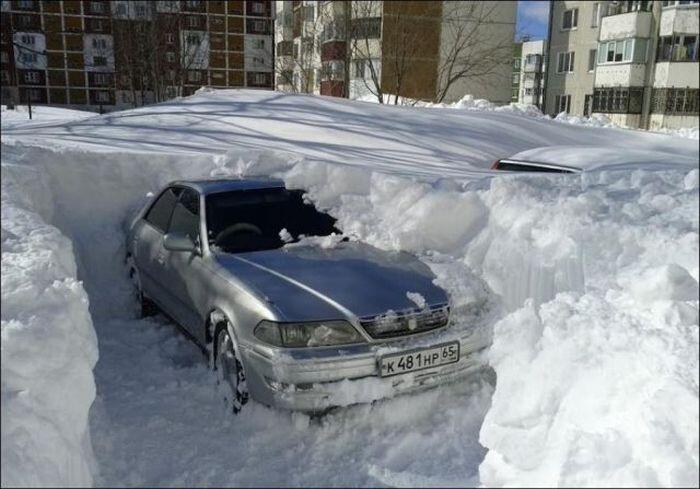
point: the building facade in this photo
(532, 69)
(118, 54)
(634, 61)
(517, 75)
(357, 49)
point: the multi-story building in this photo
(113, 54)
(532, 70)
(516, 76)
(358, 48)
(634, 61)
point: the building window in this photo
(140, 11)
(102, 97)
(170, 38)
(26, 4)
(259, 43)
(31, 77)
(516, 78)
(562, 103)
(359, 68)
(259, 26)
(121, 9)
(679, 101)
(170, 57)
(565, 62)
(171, 75)
(591, 59)
(5, 77)
(193, 21)
(3, 57)
(569, 19)
(595, 19)
(97, 7)
(25, 21)
(97, 25)
(28, 39)
(193, 4)
(99, 43)
(193, 39)
(27, 58)
(308, 13)
(99, 61)
(679, 47)
(516, 63)
(34, 94)
(260, 79)
(258, 61)
(367, 28)
(258, 8)
(623, 51)
(194, 76)
(102, 79)
(619, 100)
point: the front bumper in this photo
(313, 380)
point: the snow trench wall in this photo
(596, 352)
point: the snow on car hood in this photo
(608, 158)
(309, 282)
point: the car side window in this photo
(160, 212)
(185, 217)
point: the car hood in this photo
(309, 282)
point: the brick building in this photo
(117, 54)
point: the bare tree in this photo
(477, 48)
(299, 65)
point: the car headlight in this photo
(298, 335)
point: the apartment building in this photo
(517, 75)
(363, 48)
(634, 61)
(117, 54)
(532, 70)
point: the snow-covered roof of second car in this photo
(213, 186)
(604, 158)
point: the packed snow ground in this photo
(594, 278)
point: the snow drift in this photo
(589, 281)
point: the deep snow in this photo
(592, 275)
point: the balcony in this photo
(534, 66)
(679, 18)
(626, 25)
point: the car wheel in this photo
(230, 375)
(145, 307)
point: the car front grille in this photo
(406, 322)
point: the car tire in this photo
(230, 375)
(145, 307)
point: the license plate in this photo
(401, 363)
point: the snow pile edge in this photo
(49, 345)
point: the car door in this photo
(184, 270)
(149, 253)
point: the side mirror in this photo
(179, 242)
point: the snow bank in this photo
(48, 344)
(593, 276)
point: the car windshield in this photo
(251, 220)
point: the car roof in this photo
(604, 158)
(212, 186)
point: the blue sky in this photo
(533, 17)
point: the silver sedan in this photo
(290, 324)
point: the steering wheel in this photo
(240, 227)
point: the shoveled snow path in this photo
(158, 421)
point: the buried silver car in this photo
(299, 326)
